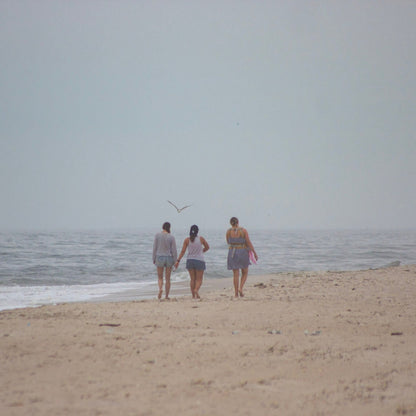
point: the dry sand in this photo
(330, 343)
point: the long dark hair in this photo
(193, 232)
(166, 227)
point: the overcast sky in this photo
(286, 114)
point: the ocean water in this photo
(38, 268)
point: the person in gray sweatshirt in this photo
(164, 257)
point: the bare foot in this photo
(241, 294)
(160, 294)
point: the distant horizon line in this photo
(181, 228)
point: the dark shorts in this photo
(195, 264)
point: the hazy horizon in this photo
(288, 115)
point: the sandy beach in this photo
(318, 343)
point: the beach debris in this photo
(397, 333)
(403, 410)
(201, 382)
(274, 405)
(274, 332)
(260, 285)
(264, 382)
(235, 332)
(113, 325)
(179, 209)
(313, 334)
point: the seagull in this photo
(179, 209)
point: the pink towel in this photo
(252, 258)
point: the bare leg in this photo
(192, 275)
(198, 282)
(160, 281)
(236, 274)
(167, 284)
(244, 274)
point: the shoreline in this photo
(180, 288)
(298, 343)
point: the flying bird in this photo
(179, 209)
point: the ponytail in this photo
(193, 232)
(234, 221)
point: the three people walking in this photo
(240, 249)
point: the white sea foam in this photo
(13, 297)
(32, 296)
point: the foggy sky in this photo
(285, 114)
